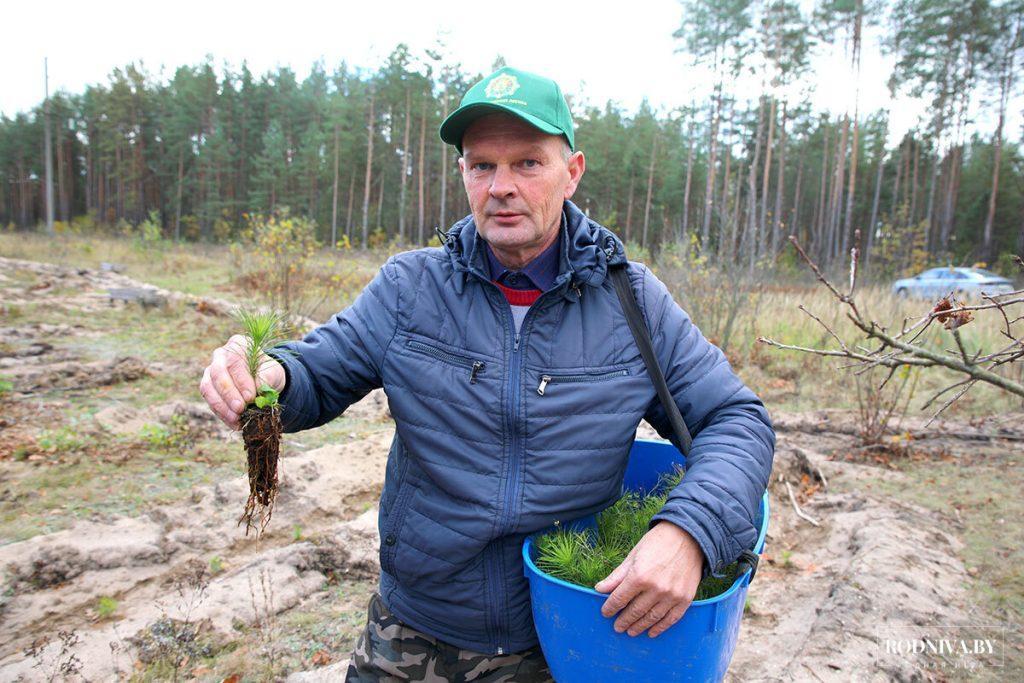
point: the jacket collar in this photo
(587, 250)
(539, 273)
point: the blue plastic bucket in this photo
(581, 645)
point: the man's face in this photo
(516, 178)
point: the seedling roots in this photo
(261, 432)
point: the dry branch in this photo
(796, 508)
(898, 350)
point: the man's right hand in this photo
(227, 385)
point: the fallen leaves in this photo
(807, 487)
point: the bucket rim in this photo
(739, 583)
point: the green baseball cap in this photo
(532, 98)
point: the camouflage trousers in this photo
(388, 650)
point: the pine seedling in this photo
(560, 550)
(261, 419)
(586, 557)
(263, 331)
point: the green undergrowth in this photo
(53, 498)
(586, 556)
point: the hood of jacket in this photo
(588, 249)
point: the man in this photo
(516, 388)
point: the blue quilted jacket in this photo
(499, 434)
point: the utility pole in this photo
(48, 150)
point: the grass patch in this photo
(188, 267)
(110, 478)
(106, 606)
(62, 440)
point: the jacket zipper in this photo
(512, 484)
(545, 380)
(475, 366)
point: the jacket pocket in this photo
(473, 366)
(545, 380)
(393, 525)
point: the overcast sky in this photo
(623, 53)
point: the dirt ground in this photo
(121, 556)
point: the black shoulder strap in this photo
(637, 325)
(643, 339)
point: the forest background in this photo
(727, 177)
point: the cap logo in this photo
(501, 86)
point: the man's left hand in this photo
(655, 584)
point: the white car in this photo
(965, 282)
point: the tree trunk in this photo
(934, 178)
(686, 191)
(709, 183)
(734, 224)
(378, 222)
(405, 168)
(48, 160)
(818, 225)
(1005, 87)
(101, 195)
(650, 187)
(750, 235)
(61, 198)
(90, 172)
(334, 193)
(369, 172)
(915, 148)
(762, 232)
(119, 199)
(351, 205)
(873, 225)
(443, 223)
(901, 161)
(23, 199)
(794, 223)
(725, 195)
(951, 194)
(780, 186)
(423, 138)
(837, 239)
(177, 202)
(848, 220)
(629, 208)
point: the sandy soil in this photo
(58, 578)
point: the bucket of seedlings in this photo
(563, 562)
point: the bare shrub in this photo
(173, 642)
(882, 402)
(713, 294)
(282, 247)
(56, 661)
(264, 611)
